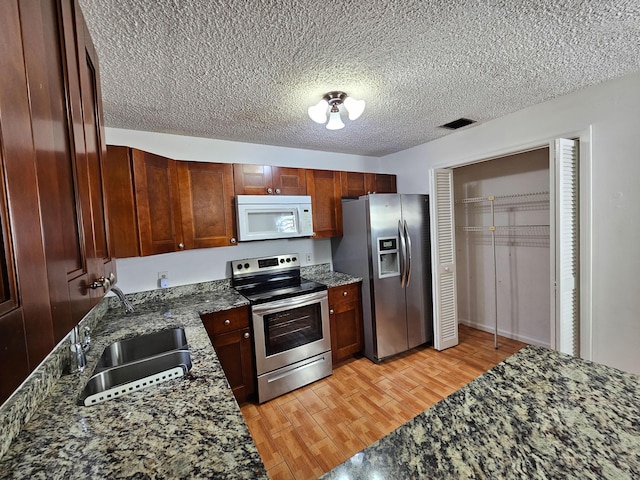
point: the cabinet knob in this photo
(277, 191)
(181, 245)
(232, 240)
(345, 293)
(227, 322)
(331, 312)
(269, 190)
(246, 335)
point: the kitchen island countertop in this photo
(537, 415)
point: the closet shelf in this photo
(503, 228)
(513, 198)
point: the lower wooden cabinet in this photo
(231, 338)
(345, 317)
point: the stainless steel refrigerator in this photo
(386, 242)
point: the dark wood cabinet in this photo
(53, 223)
(268, 180)
(356, 184)
(161, 205)
(345, 318)
(231, 338)
(324, 186)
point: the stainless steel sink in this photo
(137, 363)
(142, 346)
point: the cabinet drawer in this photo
(344, 293)
(225, 321)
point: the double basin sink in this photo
(136, 363)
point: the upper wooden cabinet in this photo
(268, 180)
(356, 184)
(53, 224)
(160, 205)
(325, 189)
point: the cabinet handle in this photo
(270, 190)
(232, 240)
(246, 335)
(345, 293)
(227, 322)
(277, 191)
(181, 246)
(331, 312)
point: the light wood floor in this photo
(305, 433)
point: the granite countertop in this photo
(538, 414)
(190, 427)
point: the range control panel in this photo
(251, 266)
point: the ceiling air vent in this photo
(459, 123)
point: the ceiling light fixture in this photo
(330, 105)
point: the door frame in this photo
(585, 218)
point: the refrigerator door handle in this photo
(402, 250)
(407, 253)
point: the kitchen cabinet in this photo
(161, 205)
(345, 320)
(268, 180)
(53, 226)
(356, 184)
(231, 338)
(324, 186)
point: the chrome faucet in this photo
(125, 301)
(80, 346)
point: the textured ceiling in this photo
(247, 70)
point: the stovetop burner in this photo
(267, 279)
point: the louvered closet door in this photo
(443, 260)
(567, 311)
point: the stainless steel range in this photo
(290, 321)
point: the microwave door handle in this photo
(401, 252)
(408, 252)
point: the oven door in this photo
(289, 330)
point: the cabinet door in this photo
(157, 197)
(206, 201)
(324, 187)
(345, 316)
(353, 184)
(380, 183)
(289, 181)
(121, 203)
(234, 352)
(100, 264)
(252, 179)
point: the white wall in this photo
(612, 109)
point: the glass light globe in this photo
(354, 107)
(335, 122)
(318, 113)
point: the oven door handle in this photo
(288, 303)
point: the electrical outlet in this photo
(162, 275)
(309, 258)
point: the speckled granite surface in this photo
(538, 415)
(190, 427)
(323, 274)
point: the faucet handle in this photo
(87, 338)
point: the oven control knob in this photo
(293, 259)
(288, 260)
(246, 265)
(282, 260)
(246, 335)
(239, 267)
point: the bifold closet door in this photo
(445, 307)
(567, 332)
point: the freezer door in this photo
(415, 217)
(389, 310)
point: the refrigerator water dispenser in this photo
(388, 259)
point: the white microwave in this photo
(263, 217)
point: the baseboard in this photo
(504, 333)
